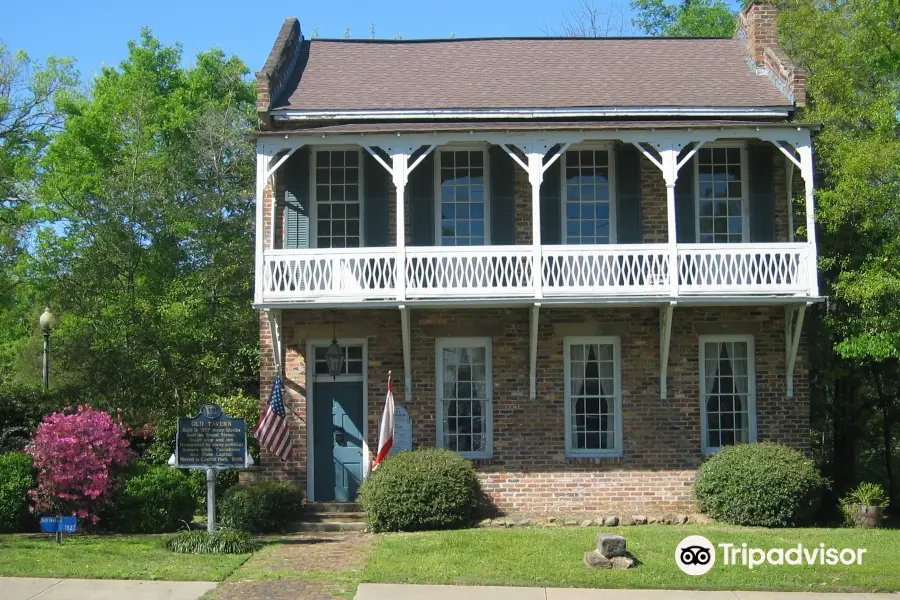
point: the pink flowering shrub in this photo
(77, 456)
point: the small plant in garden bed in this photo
(220, 541)
(864, 505)
(264, 507)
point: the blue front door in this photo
(337, 440)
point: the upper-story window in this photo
(338, 202)
(721, 195)
(462, 198)
(588, 211)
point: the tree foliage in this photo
(149, 255)
(687, 18)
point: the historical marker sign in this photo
(403, 440)
(211, 440)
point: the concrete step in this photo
(332, 507)
(330, 526)
(336, 517)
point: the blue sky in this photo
(95, 32)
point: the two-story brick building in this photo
(586, 261)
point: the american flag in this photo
(273, 432)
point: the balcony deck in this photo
(600, 273)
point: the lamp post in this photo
(47, 322)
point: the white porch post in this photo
(400, 173)
(670, 174)
(261, 165)
(535, 178)
(806, 170)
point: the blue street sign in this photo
(59, 524)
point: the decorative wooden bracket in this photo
(274, 317)
(665, 338)
(535, 311)
(793, 324)
(407, 353)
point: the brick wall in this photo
(529, 472)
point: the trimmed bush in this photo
(264, 507)
(16, 479)
(220, 541)
(763, 485)
(153, 499)
(423, 489)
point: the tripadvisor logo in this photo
(696, 555)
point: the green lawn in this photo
(553, 558)
(109, 557)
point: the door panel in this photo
(337, 440)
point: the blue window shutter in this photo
(375, 202)
(628, 192)
(296, 199)
(420, 189)
(551, 197)
(685, 225)
(502, 174)
(761, 181)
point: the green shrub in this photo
(220, 541)
(16, 479)
(225, 479)
(153, 499)
(261, 507)
(765, 485)
(423, 489)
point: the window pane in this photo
(587, 197)
(720, 195)
(464, 398)
(726, 387)
(592, 396)
(462, 198)
(337, 199)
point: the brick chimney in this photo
(279, 67)
(758, 26)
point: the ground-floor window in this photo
(464, 396)
(593, 396)
(727, 391)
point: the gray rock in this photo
(623, 562)
(668, 519)
(682, 519)
(610, 521)
(640, 519)
(524, 523)
(570, 523)
(497, 523)
(610, 545)
(595, 560)
(654, 519)
(586, 523)
(626, 521)
(551, 519)
(484, 523)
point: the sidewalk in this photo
(26, 588)
(378, 591)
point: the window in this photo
(464, 410)
(721, 195)
(589, 215)
(337, 199)
(353, 360)
(462, 214)
(593, 396)
(727, 391)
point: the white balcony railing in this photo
(474, 271)
(497, 272)
(743, 268)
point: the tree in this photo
(149, 255)
(587, 20)
(688, 18)
(851, 51)
(29, 92)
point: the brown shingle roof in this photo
(526, 73)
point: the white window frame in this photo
(745, 189)
(564, 193)
(751, 387)
(487, 189)
(314, 201)
(616, 342)
(457, 342)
